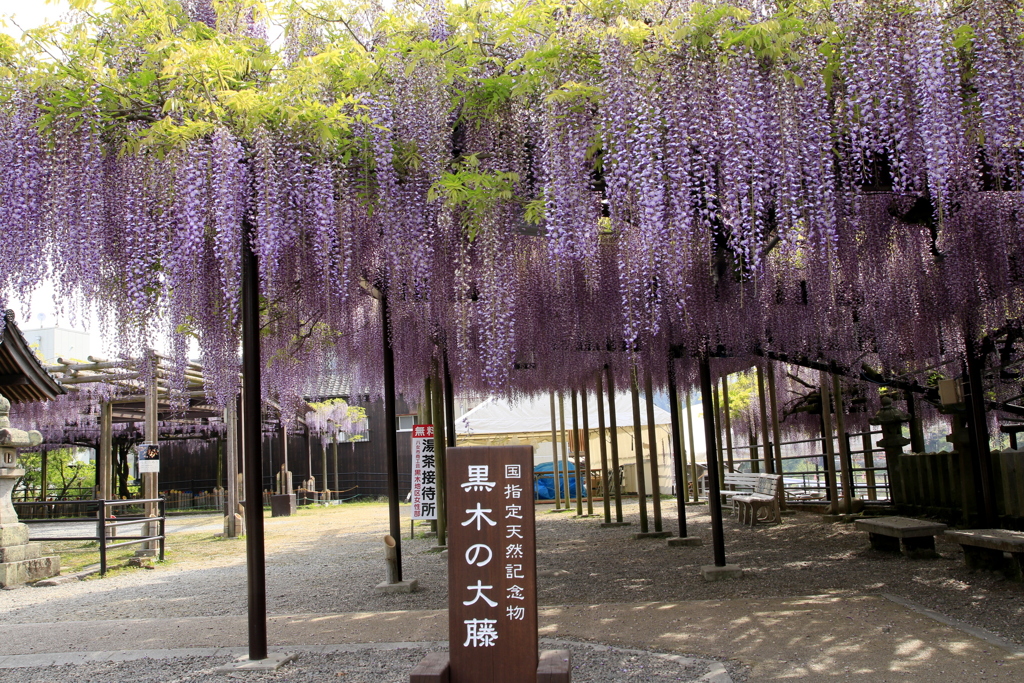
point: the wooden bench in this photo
(914, 537)
(996, 549)
(736, 484)
(765, 498)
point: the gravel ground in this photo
(590, 665)
(329, 561)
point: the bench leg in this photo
(985, 558)
(888, 544)
(920, 547)
(1016, 567)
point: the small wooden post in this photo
(555, 475)
(587, 462)
(614, 443)
(391, 559)
(605, 492)
(652, 451)
(638, 444)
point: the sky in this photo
(30, 13)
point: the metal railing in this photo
(105, 522)
(811, 482)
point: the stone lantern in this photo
(20, 561)
(891, 419)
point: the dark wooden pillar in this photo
(677, 446)
(390, 436)
(714, 484)
(252, 446)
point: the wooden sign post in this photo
(492, 571)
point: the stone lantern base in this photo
(23, 562)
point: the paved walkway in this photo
(868, 638)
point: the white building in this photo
(51, 343)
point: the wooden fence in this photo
(942, 485)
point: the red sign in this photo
(424, 473)
(492, 564)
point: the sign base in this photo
(555, 666)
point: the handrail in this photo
(103, 523)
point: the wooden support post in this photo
(44, 474)
(916, 426)
(727, 423)
(334, 463)
(719, 438)
(714, 488)
(575, 444)
(586, 451)
(565, 451)
(753, 452)
(449, 402)
(776, 431)
(605, 492)
(555, 472)
(282, 436)
(638, 445)
(104, 467)
(652, 451)
(693, 449)
(231, 467)
(762, 404)
(869, 464)
(309, 458)
(440, 455)
(678, 452)
(151, 480)
(830, 457)
(614, 443)
(390, 435)
(252, 446)
(844, 446)
(981, 462)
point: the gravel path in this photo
(591, 664)
(328, 561)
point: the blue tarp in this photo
(544, 482)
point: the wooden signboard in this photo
(492, 565)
